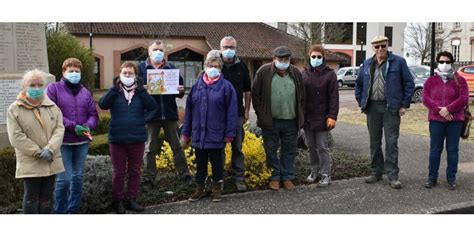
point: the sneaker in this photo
(134, 206)
(373, 178)
(430, 183)
(274, 185)
(288, 185)
(119, 207)
(198, 194)
(311, 178)
(451, 185)
(240, 185)
(395, 184)
(325, 181)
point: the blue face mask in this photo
(316, 62)
(228, 53)
(157, 56)
(73, 77)
(35, 93)
(282, 66)
(212, 72)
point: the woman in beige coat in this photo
(36, 130)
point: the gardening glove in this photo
(330, 123)
(46, 154)
(80, 130)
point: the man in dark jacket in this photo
(384, 88)
(236, 72)
(165, 116)
(278, 99)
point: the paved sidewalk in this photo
(354, 195)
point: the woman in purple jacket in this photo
(445, 94)
(79, 117)
(210, 122)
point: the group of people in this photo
(51, 134)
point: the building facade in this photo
(186, 45)
(460, 40)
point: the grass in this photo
(415, 121)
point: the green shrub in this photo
(99, 145)
(11, 189)
(102, 125)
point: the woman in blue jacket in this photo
(210, 122)
(128, 101)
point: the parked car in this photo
(420, 75)
(346, 76)
(468, 73)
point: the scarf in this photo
(75, 88)
(445, 76)
(128, 91)
(23, 102)
(209, 81)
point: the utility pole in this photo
(433, 36)
(90, 36)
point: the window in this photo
(137, 55)
(456, 45)
(457, 25)
(361, 33)
(439, 25)
(189, 63)
(439, 45)
(389, 34)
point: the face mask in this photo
(282, 66)
(127, 81)
(228, 53)
(444, 67)
(73, 77)
(157, 56)
(212, 72)
(34, 93)
(316, 62)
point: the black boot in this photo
(119, 207)
(134, 206)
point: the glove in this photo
(228, 139)
(46, 154)
(79, 129)
(184, 142)
(330, 123)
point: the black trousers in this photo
(38, 197)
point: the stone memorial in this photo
(22, 48)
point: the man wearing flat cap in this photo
(384, 88)
(278, 99)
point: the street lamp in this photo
(90, 36)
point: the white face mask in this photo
(127, 81)
(444, 67)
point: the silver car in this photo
(346, 76)
(420, 75)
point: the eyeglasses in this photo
(316, 56)
(443, 62)
(228, 47)
(378, 46)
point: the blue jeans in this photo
(438, 132)
(284, 135)
(69, 183)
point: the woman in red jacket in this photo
(445, 94)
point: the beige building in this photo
(186, 45)
(460, 40)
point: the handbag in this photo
(466, 126)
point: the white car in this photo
(346, 76)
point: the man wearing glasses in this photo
(384, 88)
(278, 99)
(237, 73)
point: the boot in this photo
(119, 207)
(134, 206)
(216, 191)
(31, 206)
(198, 194)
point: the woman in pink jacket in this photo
(445, 94)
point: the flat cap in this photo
(281, 51)
(378, 39)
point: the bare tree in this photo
(418, 39)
